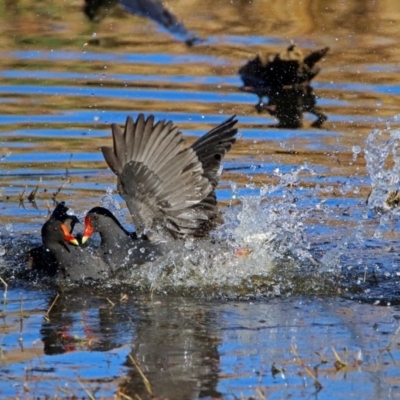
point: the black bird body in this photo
(285, 78)
(286, 70)
(119, 248)
(60, 257)
(39, 258)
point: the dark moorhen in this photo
(169, 188)
(38, 258)
(118, 248)
(61, 257)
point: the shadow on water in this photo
(282, 303)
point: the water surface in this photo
(308, 312)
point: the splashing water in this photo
(109, 201)
(383, 204)
(367, 253)
(383, 166)
(261, 248)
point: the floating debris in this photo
(22, 198)
(285, 79)
(32, 195)
(55, 194)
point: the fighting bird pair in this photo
(169, 189)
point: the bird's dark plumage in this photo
(169, 187)
(118, 248)
(60, 257)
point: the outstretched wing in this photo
(158, 177)
(212, 147)
(315, 56)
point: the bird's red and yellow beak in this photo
(67, 235)
(88, 230)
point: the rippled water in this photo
(307, 204)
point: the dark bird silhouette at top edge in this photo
(151, 9)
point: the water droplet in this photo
(234, 189)
(356, 151)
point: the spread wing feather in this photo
(212, 147)
(168, 187)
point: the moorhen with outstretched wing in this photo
(169, 187)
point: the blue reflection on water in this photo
(106, 77)
(150, 58)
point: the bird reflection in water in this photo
(174, 340)
(285, 78)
